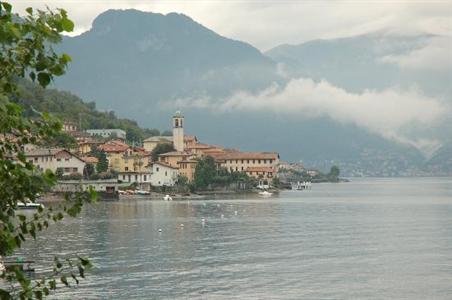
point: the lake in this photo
(366, 239)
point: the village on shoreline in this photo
(179, 165)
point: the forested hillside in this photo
(69, 107)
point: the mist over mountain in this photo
(308, 102)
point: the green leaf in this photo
(43, 79)
(67, 24)
(5, 294)
(8, 7)
(75, 278)
(38, 294)
(64, 280)
(65, 58)
(52, 284)
(29, 10)
(81, 271)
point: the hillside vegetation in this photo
(69, 107)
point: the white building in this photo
(163, 174)
(106, 133)
(54, 159)
(178, 132)
(134, 177)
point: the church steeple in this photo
(178, 131)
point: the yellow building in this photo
(255, 164)
(187, 168)
(172, 158)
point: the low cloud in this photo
(383, 112)
(436, 55)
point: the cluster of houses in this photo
(134, 164)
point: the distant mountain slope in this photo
(362, 62)
(145, 66)
(147, 57)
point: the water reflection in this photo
(374, 239)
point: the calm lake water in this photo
(367, 239)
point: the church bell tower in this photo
(178, 131)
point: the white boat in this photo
(167, 198)
(265, 194)
(29, 205)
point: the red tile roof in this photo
(245, 155)
(90, 159)
(165, 165)
(114, 146)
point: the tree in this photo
(161, 148)
(61, 139)
(26, 52)
(333, 175)
(88, 171)
(205, 172)
(102, 164)
(167, 133)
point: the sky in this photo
(266, 24)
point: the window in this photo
(157, 169)
(254, 161)
(126, 168)
(236, 168)
(145, 178)
(242, 161)
(176, 123)
(58, 159)
(123, 177)
(136, 177)
(242, 168)
(75, 170)
(259, 161)
(67, 170)
(270, 160)
(166, 173)
(66, 159)
(247, 161)
(236, 161)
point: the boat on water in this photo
(142, 192)
(301, 185)
(265, 194)
(29, 205)
(167, 198)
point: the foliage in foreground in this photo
(25, 52)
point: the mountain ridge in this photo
(141, 64)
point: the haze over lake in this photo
(367, 239)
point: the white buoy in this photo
(222, 216)
(235, 213)
(182, 225)
(160, 229)
(203, 220)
